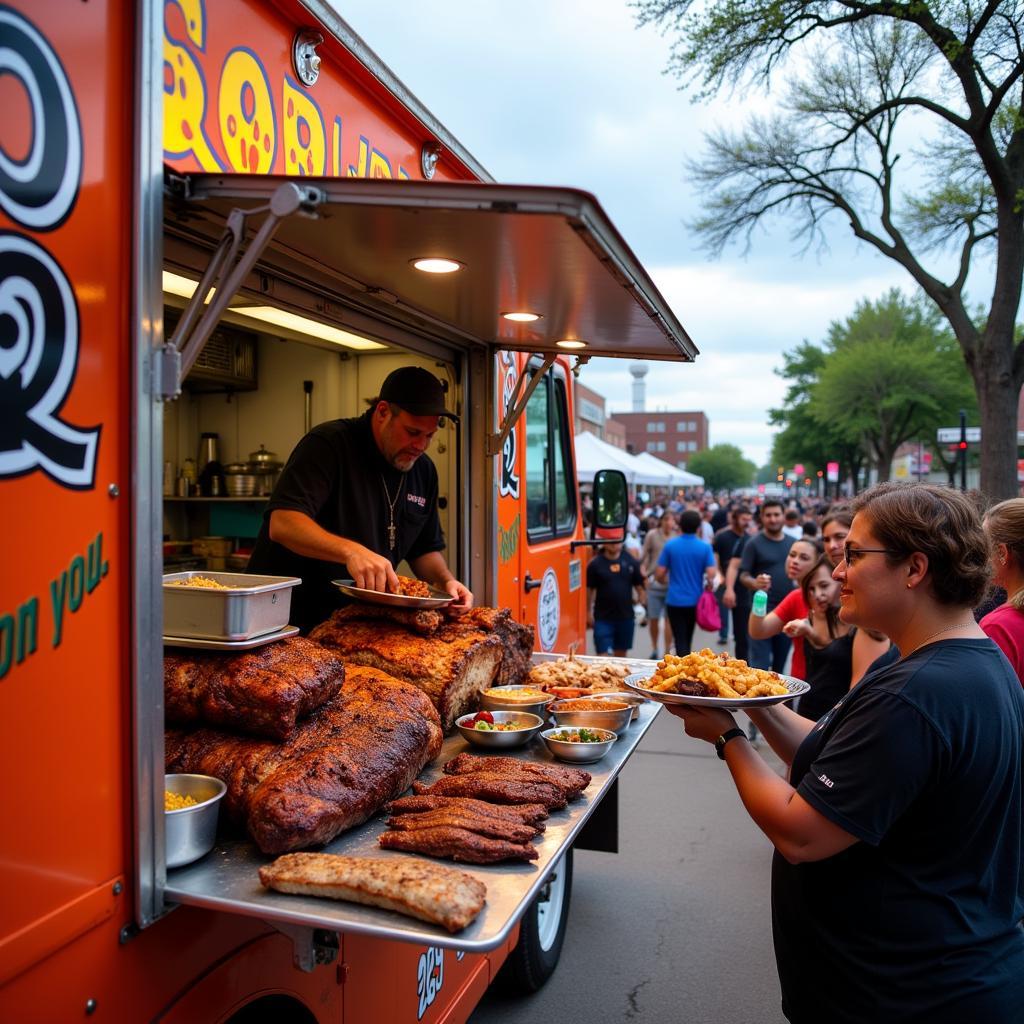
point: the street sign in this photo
(832, 471)
(951, 435)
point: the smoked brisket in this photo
(263, 692)
(336, 771)
(452, 667)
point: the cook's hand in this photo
(371, 571)
(702, 723)
(463, 597)
(797, 628)
(729, 598)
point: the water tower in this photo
(639, 371)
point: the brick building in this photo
(591, 416)
(671, 436)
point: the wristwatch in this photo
(729, 734)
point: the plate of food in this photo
(714, 680)
(411, 594)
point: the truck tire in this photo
(541, 934)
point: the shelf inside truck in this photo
(227, 878)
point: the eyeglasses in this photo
(850, 555)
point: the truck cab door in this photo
(547, 580)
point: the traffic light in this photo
(962, 446)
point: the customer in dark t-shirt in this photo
(725, 544)
(614, 582)
(897, 883)
(356, 497)
(764, 568)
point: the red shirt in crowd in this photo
(793, 606)
(1005, 625)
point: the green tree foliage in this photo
(903, 117)
(888, 374)
(722, 466)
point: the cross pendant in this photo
(391, 536)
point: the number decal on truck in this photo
(429, 977)
(39, 358)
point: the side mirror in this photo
(611, 510)
(611, 500)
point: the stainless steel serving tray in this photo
(248, 606)
(227, 878)
(192, 643)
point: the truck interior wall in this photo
(273, 414)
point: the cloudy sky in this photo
(573, 93)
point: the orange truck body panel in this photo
(65, 592)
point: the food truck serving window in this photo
(550, 494)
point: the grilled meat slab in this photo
(497, 788)
(517, 640)
(572, 780)
(481, 824)
(263, 692)
(527, 814)
(338, 769)
(412, 887)
(452, 667)
(459, 844)
(424, 621)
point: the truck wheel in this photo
(541, 933)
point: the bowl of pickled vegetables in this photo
(581, 745)
(499, 729)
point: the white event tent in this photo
(593, 454)
(680, 477)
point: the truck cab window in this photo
(550, 489)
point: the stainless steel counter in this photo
(227, 878)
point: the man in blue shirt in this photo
(686, 562)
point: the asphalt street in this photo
(676, 926)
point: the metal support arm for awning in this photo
(495, 442)
(225, 273)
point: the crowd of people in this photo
(736, 547)
(898, 826)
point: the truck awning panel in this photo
(544, 250)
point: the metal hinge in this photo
(495, 442)
(227, 269)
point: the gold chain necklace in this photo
(391, 507)
(946, 629)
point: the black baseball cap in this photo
(415, 390)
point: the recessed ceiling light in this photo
(303, 325)
(571, 344)
(522, 318)
(436, 265)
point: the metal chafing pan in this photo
(246, 607)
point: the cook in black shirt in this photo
(356, 497)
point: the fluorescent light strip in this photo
(303, 325)
(183, 287)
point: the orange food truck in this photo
(210, 215)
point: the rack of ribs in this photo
(417, 888)
(337, 770)
(452, 667)
(497, 788)
(527, 814)
(263, 692)
(571, 780)
(458, 844)
(482, 825)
